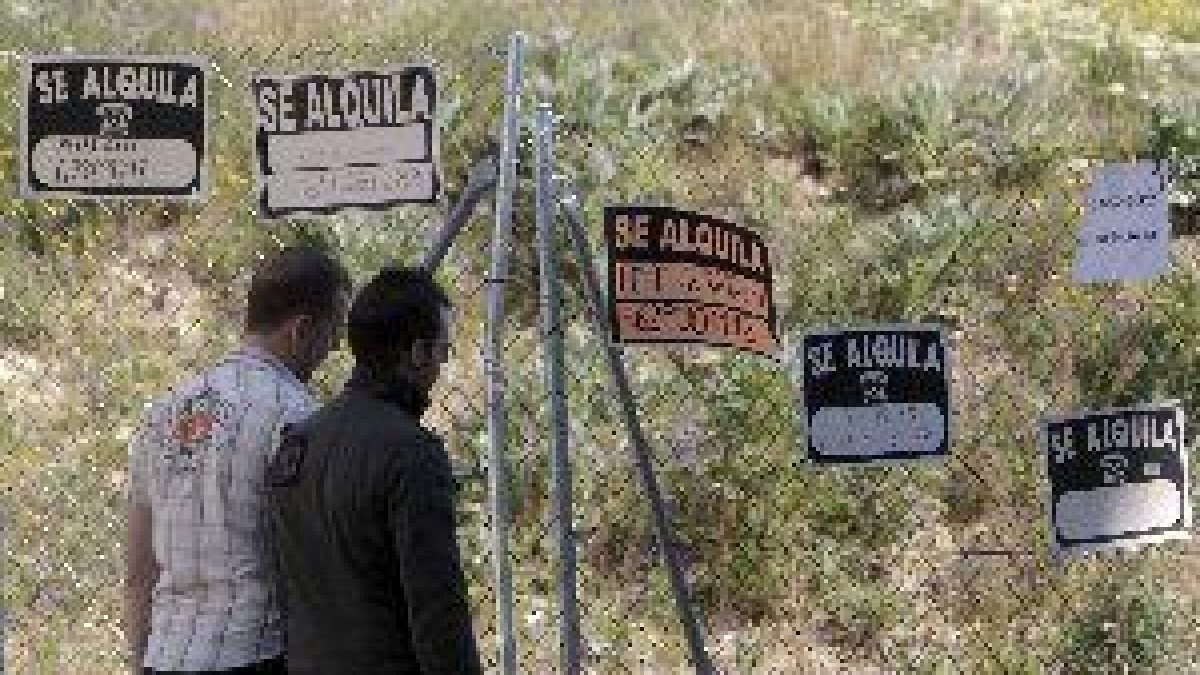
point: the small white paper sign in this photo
(1126, 234)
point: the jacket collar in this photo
(395, 391)
(250, 352)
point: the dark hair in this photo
(293, 281)
(395, 309)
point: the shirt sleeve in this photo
(141, 448)
(273, 422)
(422, 521)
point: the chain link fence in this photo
(893, 183)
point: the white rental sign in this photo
(1126, 233)
(327, 142)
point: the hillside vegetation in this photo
(906, 160)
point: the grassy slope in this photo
(948, 136)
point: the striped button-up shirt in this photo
(198, 462)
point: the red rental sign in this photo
(680, 277)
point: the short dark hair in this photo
(395, 309)
(292, 281)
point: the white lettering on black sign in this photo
(113, 127)
(330, 142)
(1118, 478)
(875, 394)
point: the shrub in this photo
(1132, 631)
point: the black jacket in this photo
(362, 514)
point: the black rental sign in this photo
(875, 394)
(328, 142)
(1118, 478)
(124, 127)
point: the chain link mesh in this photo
(908, 162)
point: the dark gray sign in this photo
(125, 127)
(876, 394)
(1118, 477)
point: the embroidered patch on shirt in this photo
(201, 418)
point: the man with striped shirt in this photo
(201, 588)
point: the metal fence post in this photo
(481, 181)
(553, 346)
(497, 418)
(4, 573)
(641, 448)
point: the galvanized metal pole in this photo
(497, 418)
(641, 448)
(481, 181)
(553, 355)
(4, 527)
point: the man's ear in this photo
(297, 326)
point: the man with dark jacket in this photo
(362, 504)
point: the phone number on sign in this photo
(690, 321)
(76, 169)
